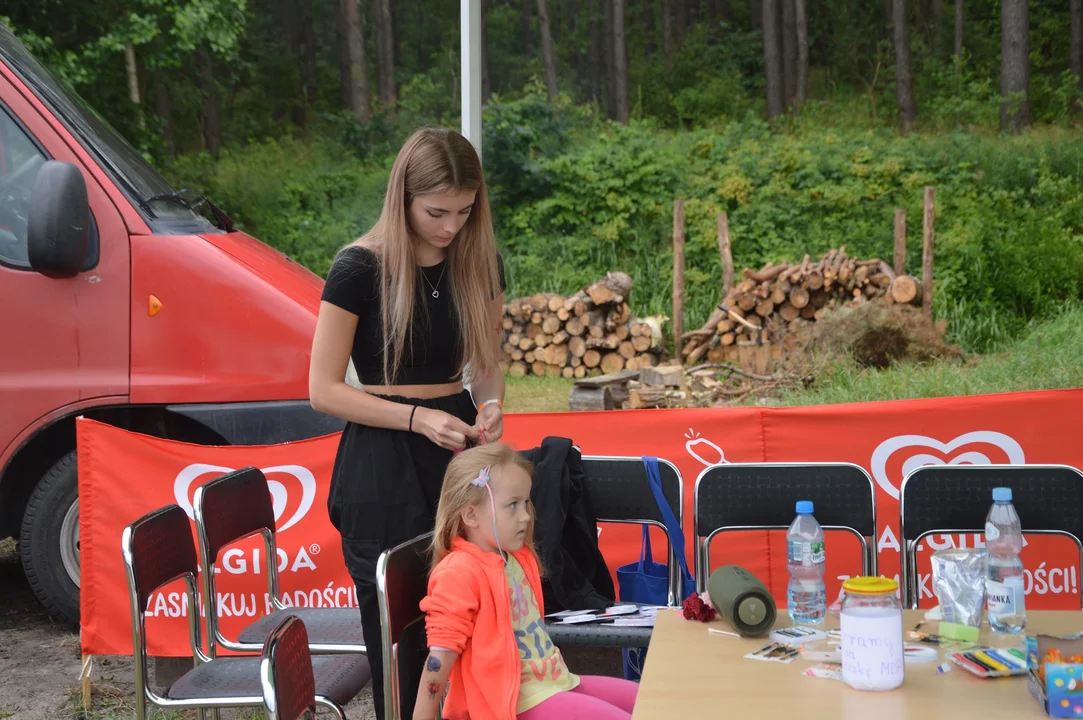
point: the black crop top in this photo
(353, 284)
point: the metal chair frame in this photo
(144, 692)
(869, 562)
(207, 565)
(908, 577)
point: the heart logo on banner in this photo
(182, 488)
(1012, 450)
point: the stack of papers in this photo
(618, 616)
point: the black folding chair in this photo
(620, 493)
(158, 549)
(289, 687)
(238, 505)
(402, 581)
(762, 496)
(955, 499)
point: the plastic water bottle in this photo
(806, 595)
(1004, 569)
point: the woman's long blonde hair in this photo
(458, 493)
(436, 160)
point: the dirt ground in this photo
(40, 663)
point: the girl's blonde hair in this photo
(436, 160)
(458, 492)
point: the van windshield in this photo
(136, 177)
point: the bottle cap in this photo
(870, 586)
(1002, 494)
(804, 507)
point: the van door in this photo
(65, 341)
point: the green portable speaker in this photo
(742, 600)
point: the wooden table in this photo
(691, 673)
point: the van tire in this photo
(43, 531)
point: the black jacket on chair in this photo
(575, 576)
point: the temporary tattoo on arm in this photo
(434, 690)
(433, 664)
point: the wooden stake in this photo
(678, 272)
(927, 253)
(724, 250)
(900, 242)
(88, 663)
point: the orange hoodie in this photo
(468, 611)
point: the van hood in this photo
(290, 277)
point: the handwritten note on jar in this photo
(872, 648)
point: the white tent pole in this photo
(471, 71)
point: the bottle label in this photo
(991, 532)
(1005, 598)
(805, 553)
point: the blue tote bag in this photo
(647, 582)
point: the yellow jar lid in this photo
(870, 586)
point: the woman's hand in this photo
(444, 429)
(490, 423)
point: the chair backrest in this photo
(937, 499)
(289, 686)
(402, 581)
(620, 493)
(227, 509)
(743, 496)
(157, 550)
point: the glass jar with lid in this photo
(873, 654)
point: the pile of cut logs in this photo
(590, 333)
(777, 304)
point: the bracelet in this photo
(498, 401)
(412, 418)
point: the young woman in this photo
(483, 611)
(416, 302)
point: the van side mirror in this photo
(58, 222)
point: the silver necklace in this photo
(435, 292)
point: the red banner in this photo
(123, 475)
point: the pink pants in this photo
(595, 698)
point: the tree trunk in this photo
(547, 51)
(307, 55)
(801, 20)
(357, 77)
(755, 11)
(131, 67)
(486, 79)
(1014, 65)
(904, 80)
(527, 22)
(385, 52)
(936, 19)
(650, 28)
(212, 114)
(1076, 12)
(958, 47)
(772, 59)
(789, 52)
(596, 50)
(163, 108)
(668, 45)
(680, 21)
(607, 60)
(620, 61)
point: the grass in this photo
(1048, 356)
(537, 394)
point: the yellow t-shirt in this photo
(543, 672)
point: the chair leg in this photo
(333, 706)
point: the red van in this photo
(122, 302)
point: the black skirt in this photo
(385, 484)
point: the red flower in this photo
(695, 609)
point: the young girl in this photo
(413, 301)
(484, 608)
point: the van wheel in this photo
(49, 541)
